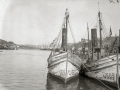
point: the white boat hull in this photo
(104, 69)
(64, 67)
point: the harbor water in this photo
(27, 70)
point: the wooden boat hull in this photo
(64, 66)
(104, 69)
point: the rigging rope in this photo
(90, 26)
(93, 22)
(104, 30)
(71, 32)
(105, 26)
(59, 41)
(97, 77)
(54, 45)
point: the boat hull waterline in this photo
(105, 70)
(64, 66)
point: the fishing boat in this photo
(63, 63)
(103, 61)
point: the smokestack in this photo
(94, 39)
(64, 39)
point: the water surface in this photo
(27, 70)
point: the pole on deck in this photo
(88, 42)
(118, 63)
(118, 71)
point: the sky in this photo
(39, 21)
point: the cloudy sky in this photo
(39, 21)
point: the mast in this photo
(119, 37)
(67, 16)
(66, 26)
(119, 42)
(88, 41)
(118, 71)
(118, 51)
(100, 28)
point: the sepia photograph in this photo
(59, 44)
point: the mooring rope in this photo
(97, 78)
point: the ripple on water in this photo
(27, 70)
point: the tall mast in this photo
(118, 51)
(119, 40)
(88, 41)
(67, 16)
(118, 71)
(66, 13)
(100, 28)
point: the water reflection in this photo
(91, 84)
(56, 84)
(27, 70)
(80, 83)
(2, 87)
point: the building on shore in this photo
(7, 45)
